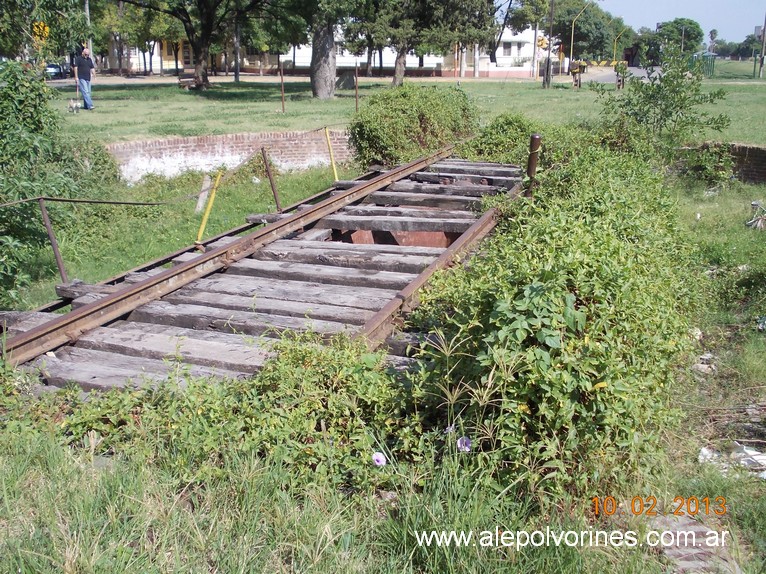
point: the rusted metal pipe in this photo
(534, 154)
(271, 179)
(52, 238)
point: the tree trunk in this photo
(119, 56)
(201, 51)
(161, 47)
(143, 53)
(380, 61)
(176, 50)
(370, 51)
(399, 66)
(237, 34)
(462, 61)
(323, 62)
(151, 56)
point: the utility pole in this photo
(548, 71)
(763, 46)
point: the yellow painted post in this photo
(208, 209)
(332, 157)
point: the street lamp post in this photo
(571, 41)
(614, 51)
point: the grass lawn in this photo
(150, 111)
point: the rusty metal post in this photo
(271, 179)
(534, 154)
(52, 238)
(356, 85)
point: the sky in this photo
(734, 19)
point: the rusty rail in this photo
(67, 328)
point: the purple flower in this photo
(450, 429)
(464, 444)
(379, 459)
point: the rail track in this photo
(350, 259)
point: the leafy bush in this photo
(506, 140)
(556, 346)
(404, 123)
(36, 161)
(667, 102)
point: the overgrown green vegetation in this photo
(402, 124)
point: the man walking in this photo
(82, 77)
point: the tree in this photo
(682, 32)
(713, 37)
(463, 23)
(365, 32)
(64, 25)
(530, 13)
(202, 20)
(502, 21)
(751, 45)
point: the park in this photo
(588, 392)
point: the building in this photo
(515, 56)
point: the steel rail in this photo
(67, 328)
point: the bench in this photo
(186, 81)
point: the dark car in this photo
(55, 72)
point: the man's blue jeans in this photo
(85, 91)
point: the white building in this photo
(514, 58)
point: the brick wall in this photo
(172, 156)
(750, 162)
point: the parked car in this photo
(54, 71)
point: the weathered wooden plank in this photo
(136, 342)
(375, 211)
(446, 178)
(13, 323)
(350, 222)
(286, 290)
(103, 370)
(462, 189)
(497, 170)
(424, 200)
(363, 247)
(346, 276)
(315, 235)
(257, 304)
(263, 341)
(460, 160)
(85, 299)
(199, 317)
(348, 257)
(78, 288)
